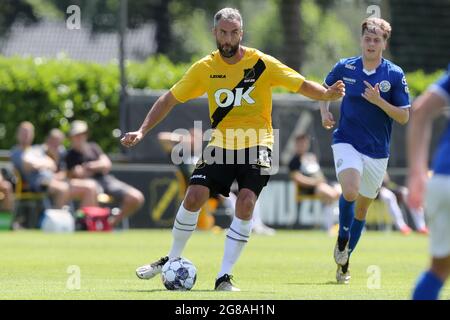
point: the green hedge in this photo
(51, 93)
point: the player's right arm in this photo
(157, 113)
(189, 87)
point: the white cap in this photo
(78, 127)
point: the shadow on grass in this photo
(195, 291)
(328, 283)
(161, 290)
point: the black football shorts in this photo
(218, 168)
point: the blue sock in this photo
(427, 287)
(355, 233)
(346, 214)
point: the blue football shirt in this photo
(441, 163)
(362, 124)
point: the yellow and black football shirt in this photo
(239, 96)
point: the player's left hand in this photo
(372, 94)
(327, 119)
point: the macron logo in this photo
(349, 66)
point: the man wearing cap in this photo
(87, 160)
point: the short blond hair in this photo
(372, 24)
(56, 133)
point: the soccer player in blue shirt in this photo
(437, 199)
(376, 95)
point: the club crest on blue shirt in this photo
(385, 86)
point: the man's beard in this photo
(230, 52)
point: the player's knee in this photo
(351, 194)
(194, 200)
(246, 202)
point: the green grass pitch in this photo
(289, 265)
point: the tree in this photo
(293, 49)
(12, 11)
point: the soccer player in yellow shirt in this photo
(238, 82)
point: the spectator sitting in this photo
(86, 160)
(54, 148)
(84, 190)
(37, 170)
(6, 195)
(306, 173)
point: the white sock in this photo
(328, 218)
(237, 237)
(257, 221)
(230, 204)
(418, 217)
(230, 201)
(390, 199)
(184, 225)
